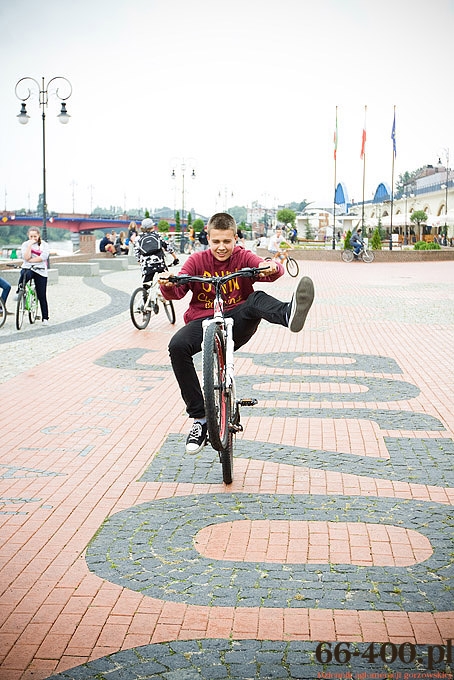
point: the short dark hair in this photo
(222, 221)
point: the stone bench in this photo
(78, 268)
(12, 275)
(112, 263)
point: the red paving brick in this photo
(93, 431)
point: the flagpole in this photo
(393, 136)
(363, 156)
(335, 171)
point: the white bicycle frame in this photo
(226, 325)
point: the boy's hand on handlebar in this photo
(164, 280)
(269, 268)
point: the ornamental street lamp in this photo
(26, 86)
(182, 163)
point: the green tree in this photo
(239, 213)
(376, 241)
(189, 215)
(177, 221)
(348, 236)
(147, 214)
(163, 226)
(417, 217)
(406, 178)
(286, 216)
(198, 225)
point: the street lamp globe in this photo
(23, 116)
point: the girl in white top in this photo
(35, 256)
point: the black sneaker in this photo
(197, 438)
(300, 304)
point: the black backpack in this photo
(150, 244)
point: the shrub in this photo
(348, 236)
(163, 226)
(423, 245)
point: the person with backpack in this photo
(149, 250)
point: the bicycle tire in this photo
(347, 255)
(292, 267)
(169, 310)
(20, 309)
(226, 458)
(367, 257)
(32, 305)
(139, 317)
(2, 312)
(217, 407)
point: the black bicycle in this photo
(222, 408)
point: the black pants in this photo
(188, 341)
(41, 289)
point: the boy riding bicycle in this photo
(246, 306)
(277, 246)
(149, 250)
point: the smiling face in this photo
(221, 242)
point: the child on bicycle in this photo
(150, 252)
(35, 259)
(277, 245)
(246, 306)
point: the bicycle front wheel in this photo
(2, 312)
(368, 256)
(20, 309)
(169, 310)
(347, 255)
(292, 267)
(217, 406)
(32, 305)
(226, 457)
(139, 316)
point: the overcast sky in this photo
(244, 90)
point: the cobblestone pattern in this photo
(408, 462)
(150, 549)
(241, 660)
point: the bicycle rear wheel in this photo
(2, 312)
(292, 266)
(139, 317)
(347, 255)
(32, 305)
(20, 309)
(169, 310)
(217, 406)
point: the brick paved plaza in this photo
(124, 558)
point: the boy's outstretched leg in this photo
(300, 304)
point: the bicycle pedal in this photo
(236, 428)
(247, 402)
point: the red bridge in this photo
(75, 223)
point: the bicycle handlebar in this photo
(246, 272)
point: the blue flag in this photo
(393, 134)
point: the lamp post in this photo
(26, 86)
(445, 235)
(182, 162)
(405, 196)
